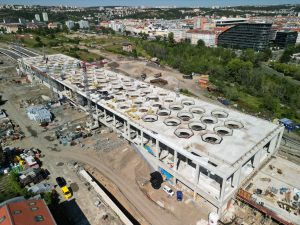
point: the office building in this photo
(247, 35)
(45, 17)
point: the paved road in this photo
(152, 213)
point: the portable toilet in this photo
(179, 195)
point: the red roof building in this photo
(29, 212)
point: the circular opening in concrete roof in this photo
(152, 96)
(134, 95)
(233, 124)
(147, 91)
(185, 116)
(119, 93)
(197, 126)
(149, 118)
(113, 78)
(169, 100)
(211, 138)
(176, 106)
(223, 131)
(157, 105)
(143, 109)
(115, 83)
(124, 106)
(163, 112)
(172, 121)
(143, 85)
(197, 110)
(118, 86)
(127, 84)
(219, 113)
(138, 101)
(209, 119)
(163, 93)
(120, 99)
(183, 133)
(187, 101)
(102, 80)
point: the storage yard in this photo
(120, 130)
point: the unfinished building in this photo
(209, 149)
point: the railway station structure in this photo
(208, 148)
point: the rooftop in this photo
(184, 123)
(33, 212)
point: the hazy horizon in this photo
(179, 3)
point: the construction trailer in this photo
(209, 149)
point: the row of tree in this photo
(232, 74)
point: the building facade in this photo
(31, 212)
(45, 17)
(247, 35)
(285, 38)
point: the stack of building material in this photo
(39, 113)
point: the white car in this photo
(168, 190)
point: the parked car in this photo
(168, 190)
(61, 182)
(40, 188)
(66, 191)
(179, 196)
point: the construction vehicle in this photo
(66, 191)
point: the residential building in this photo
(208, 37)
(10, 27)
(83, 24)
(70, 24)
(29, 212)
(45, 17)
(37, 17)
(247, 35)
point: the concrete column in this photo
(257, 158)
(124, 128)
(175, 160)
(196, 178)
(114, 120)
(222, 190)
(279, 137)
(128, 130)
(157, 149)
(272, 146)
(236, 178)
(142, 139)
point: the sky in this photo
(205, 3)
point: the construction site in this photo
(204, 148)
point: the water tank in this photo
(213, 218)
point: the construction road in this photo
(149, 210)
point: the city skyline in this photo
(187, 3)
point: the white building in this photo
(179, 34)
(83, 24)
(209, 37)
(45, 17)
(70, 24)
(37, 17)
(117, 26)
(209, 149)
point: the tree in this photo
(200, 43)
(270, 103)
(171, 38)
(158, 37)
(37, 39)
(76, 27)
(237, 69)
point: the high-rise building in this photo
(285, 38)
(247, 35)
(37, 17)
(45, 16)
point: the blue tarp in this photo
(149, 149)
(167, 175)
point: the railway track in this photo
(23, 51)
(11, 54)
